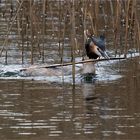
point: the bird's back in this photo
(100, 42)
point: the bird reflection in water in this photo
(90, 97)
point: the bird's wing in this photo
(98, 42)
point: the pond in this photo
(106, 107)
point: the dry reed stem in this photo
(91, 20)
(79, 62)
(84, 12)
(126, 28)
(116, 26)
(138, 34)
(63, 37)
(43, 30)
(52, 17)
(73, 41)
(9, 29)
(91, 16)
(59, 27)
(96, 16)
(31, 30)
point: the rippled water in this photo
(107, 107)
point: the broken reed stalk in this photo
(27, 33)
(136, 28)
(59, 27)
(19, 29)
(22, 50)
(61, 47)
(18, 25)
(105, 16)
(6, 53)
(9, 29)
(11, 9)
(52, 17)
(63, 30)
(131, 23)
(138, 33)
(121, 31)
(112, 10)
(43, 30)
(126, 28)
(84, 13)
(80, 62)
(132, 16)
(73, 40)
(91, 20)
(76, 45)
(22, 39)
(96, 11)
(91, 17)
(31, 29)
(63, 38)
(116, 26)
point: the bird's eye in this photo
(99, 50)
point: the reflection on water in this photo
(91, 110)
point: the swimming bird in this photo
(95, 46)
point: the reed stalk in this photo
(27, 32)
(104, 14)
(43, 30)
(19, 29)
(63, 37)
(96, 16)
(59, 26)
(126, 28)
(6, 54)
(53, 29)
(73, 40)
(22, 39)
(111, 9)
(22, 51)
(137, 34)
(132, 13)
(9, 29)
(31, 29)
(84, 12)
(91, 20)
(60, 42)
(116, 26)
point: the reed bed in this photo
(40, 30)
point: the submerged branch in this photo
(79, 62)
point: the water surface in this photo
(104, 108)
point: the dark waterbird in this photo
(95, 47)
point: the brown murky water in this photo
(37, 110)
(106, 108)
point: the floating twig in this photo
(79, 62)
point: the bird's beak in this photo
(104, 54)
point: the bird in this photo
(95, 46)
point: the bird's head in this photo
(95, 47)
